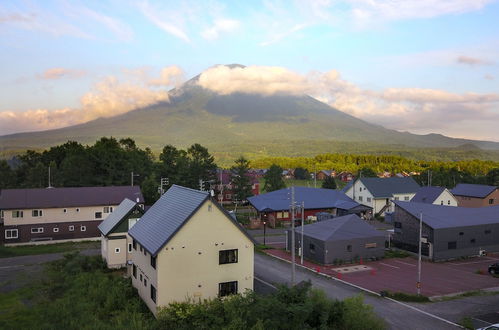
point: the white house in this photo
(187, 247)
(435, 195)
(378, 193)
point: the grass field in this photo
(25, 250)
(301, 183)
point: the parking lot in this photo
(400, 274)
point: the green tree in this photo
(7, 175)
(273, 179)
(201, 166)
(329, 183)
(240, 179)
(301, 173)
(367, 172)
(492, 177)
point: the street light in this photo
(132, 176)
(264, 226)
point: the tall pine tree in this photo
(240, 179)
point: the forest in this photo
(110, 161)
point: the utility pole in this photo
(132, 176)
(302, 224)
(293, 235)
(201, 184)
(419, 252)
(50, 186)
(315, 175)
(163, 182)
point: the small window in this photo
(397, 224)
(98, 215)
(452, 245)
(153, 293)
(448, 202)
(140, 248)
(1, 214)
(145, 252)
(491, 201)
(472, 241)
(396, 198)
(83, 228)
(311, 248)
(488, 231)
(134, 243)
(461, 233)
(129, 247)
(71, 228)
(11, 233)
(227, 256)
(227, 288)
(368, 199)
(360, 188)
(140, 277)
(17, 214)
(56, 229)
(153, 262)
(117, 250)
(406, 198)
(134, 271)
(360, 198)
(145, 282)
(441, 202)
(36, 213)
(349, 248)
(108, 209)
(37, 230)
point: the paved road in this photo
(396, 315)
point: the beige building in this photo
(435, 195)
(187, 248)
(116, 245)
(58, 214)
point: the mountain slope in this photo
(217, 121)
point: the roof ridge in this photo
(191, 189)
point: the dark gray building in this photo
(448, 232)
(346, 238)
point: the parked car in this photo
(490, 327)
(494, 269)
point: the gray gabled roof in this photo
(114, 218)
(340, 228)
(167, 216)
(387, 187)
(473, 190)
(442, 216)
(427, 194)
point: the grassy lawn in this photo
(25, 250)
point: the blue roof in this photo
(115, 218)
(166, 217)
(386, 187)
(427, 194)
(314, 198)
(473, 190)
(339, 229)
(441, 216)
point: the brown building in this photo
(476, 195)
(62, 214)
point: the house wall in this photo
(466, 201)
(141, 259)
(406, 236)
(113, 258)
(446, 198)
(188, 266)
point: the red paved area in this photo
(400, 274)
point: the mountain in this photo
(257, 125)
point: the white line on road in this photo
(11, 266)
(471, 262)
(266, 283)
(382, 263)
(404, 263)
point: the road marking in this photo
(471, 262)
(266, 283)
(404, 263)
(382, 263)
(12, 266)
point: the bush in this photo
(396, 254)
(401, 296)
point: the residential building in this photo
(345, 238)
(447, 232)
(224, 188)
(322, 175)
(274, 206)
(187, 247)
(59, 214)
(378, 193)
(345, 176)
(476, 195)
(116, 245)
(435, 195)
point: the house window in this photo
(452, 245)
(360, 198)
(17, 214)
(98, 215)
(11, 233)
(145, 252)
(56, 229)
(491, 201)
(441, 202)
(129, 247)
(153, 262)
(1, 214)
(472, 241)
(448, 202)
(140, 248)
(227, 256)
(227, 288)
(371, 245)
(228, 196)
(311, 247)
(71, 228)
(145, 282)
(368, 199)
(134, 244)
(360, 188)
(488, 231)
(153, 293)
(397, 224)
(140, 277)
(108, 209)
(461, 233)
(36, 213)
(396, 198)
(37, 230)
(349, 248)
(117, 250)
(406, 198)
(83, 228)
(134, 271)
(285, 214)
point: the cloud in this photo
(489, 77)
(171, 25)
(220, 26)
(58, 73)
(169, 76)
(109, 97)
(472, 61)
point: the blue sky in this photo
(416, 65)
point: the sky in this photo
(423, 66)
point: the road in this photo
(396, 315)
